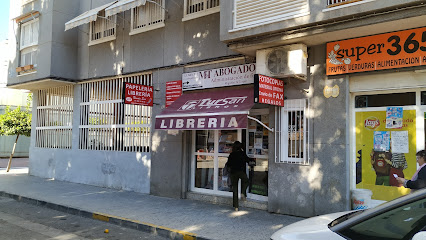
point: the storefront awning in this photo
(220, 109)
(122, 6)
(86, 17)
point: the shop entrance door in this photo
(211, 149)
(258, 149)
(210, 152)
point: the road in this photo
(22, 221)
(16, 162)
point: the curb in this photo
(124, 222)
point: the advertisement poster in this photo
(394, 117)
(382, 152)
(268, 90)
(381, 141)
(173, 91)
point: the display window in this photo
(389, 128)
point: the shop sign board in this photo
(138, 94)
(268, 90)
(173, 91)
(225, 109)
(378, 52)
(219, 77)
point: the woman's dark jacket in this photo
(420, 182)
(237, 161)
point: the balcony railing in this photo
(333, 3)
(198, 8)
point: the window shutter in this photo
(249, 13)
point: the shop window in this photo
(54, 118)
(383, 100)
(198, 8)
(423, 98)
(293, 132)
(106, 123)
(103, 29)
(148, 17)
(28, 46)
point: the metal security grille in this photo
(103, 28)
(148, 16)
(106, 123)
(339, 2)
(54, 117)
(249, 13)
(293, 125)
(197, 8)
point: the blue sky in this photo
(4, 19)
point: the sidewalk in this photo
(175, 218)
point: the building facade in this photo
(203, 70)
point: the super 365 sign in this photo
(378, 52)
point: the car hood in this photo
(311, 228)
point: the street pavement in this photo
(172, 218)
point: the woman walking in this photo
(237, 161)
(418, 180)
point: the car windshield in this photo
(398, 223)
(344, 218)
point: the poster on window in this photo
(381, 153)
(381, 141)
(399, 141)
(394, 117)
(137, 94)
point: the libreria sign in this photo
(378, 52)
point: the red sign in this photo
(173, 91)
(384, 51)
(268, 90)
(137, 94)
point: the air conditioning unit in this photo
(282, 62)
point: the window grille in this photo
(103, 29)
(293, 125)
(148, 17)
(54, 118)
(106, 123)
(198, 8)
(332, 3)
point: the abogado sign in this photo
(220, 77)
(378, 52)
(268, 90)
(138, 94)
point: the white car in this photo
(401, 219)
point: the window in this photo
(28, 45)
(54, 117)
(148, 17)
(383, 100)
(198, 8)
(103, 29)
(293, 132)
(106, 123)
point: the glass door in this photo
(211, 149)
(257, 148)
